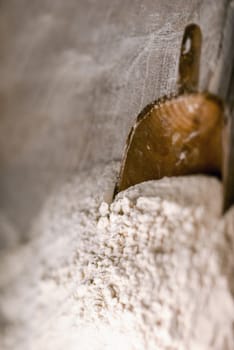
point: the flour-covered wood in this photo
(74, 76)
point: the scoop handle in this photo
(189, 63)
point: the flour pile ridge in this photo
(151, 270)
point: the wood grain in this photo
(74, 76)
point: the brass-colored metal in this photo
(228, 147)
(179, 135)
(228, 171)
(190, 59)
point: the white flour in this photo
(150, 271)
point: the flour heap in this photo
(152, 270)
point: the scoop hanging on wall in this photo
(177, 135)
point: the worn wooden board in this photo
(74, 75)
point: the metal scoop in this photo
(178, 135)
(228, 164)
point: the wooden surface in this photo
(74, 75)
